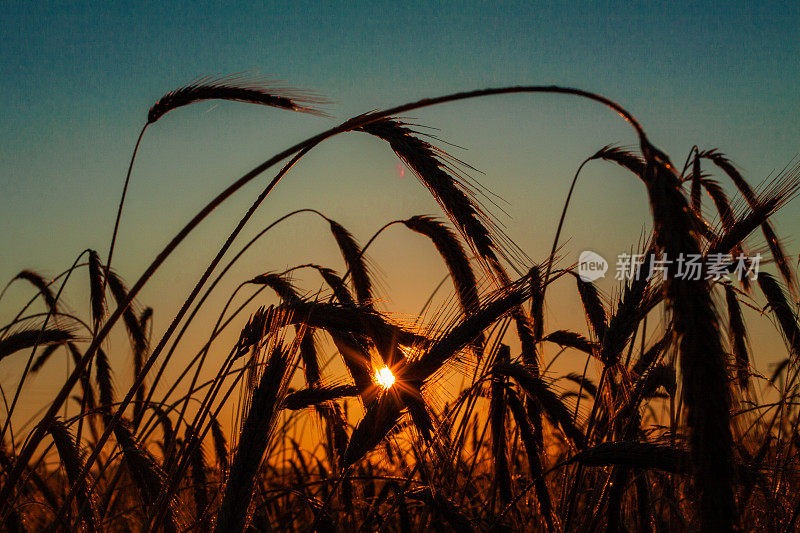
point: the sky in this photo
(78, 78)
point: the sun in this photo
(384, 377)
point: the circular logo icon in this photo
(591, 266)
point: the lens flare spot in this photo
(384, 377)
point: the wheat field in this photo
(454, 419)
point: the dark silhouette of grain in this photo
(343, 416)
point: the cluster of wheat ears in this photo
(677, 434)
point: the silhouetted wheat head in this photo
(328, 412)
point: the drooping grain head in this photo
(239, 89)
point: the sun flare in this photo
(384, 377)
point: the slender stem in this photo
(560, 225)
(33, 352)
(693, 150)
(213, 286)
(119, 209)
(374, 236)
(206, 348)
(38, 293)
(430, 298)
(174, 324)
(27, 451)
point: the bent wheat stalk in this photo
(298, 150)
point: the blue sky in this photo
(77, 80)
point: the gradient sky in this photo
(77, 81)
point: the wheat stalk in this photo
(264, 405)
(71, 458)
